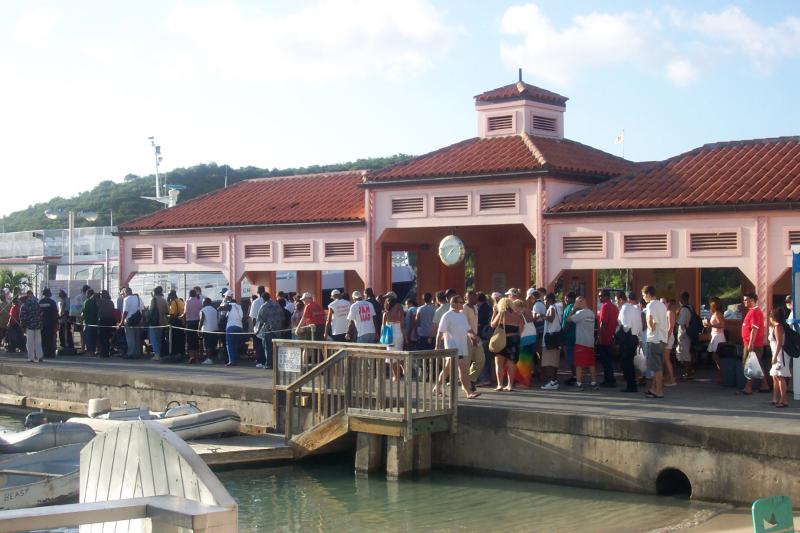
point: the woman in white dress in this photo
(717, 324)
(780, 363)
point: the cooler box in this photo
(731, 367)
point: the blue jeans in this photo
(268, 349)
(232, 342)
(366, 338)
(156, 336)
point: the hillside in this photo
(124, 199)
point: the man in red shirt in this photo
(606, 327)
(753, 337)
(313, 321)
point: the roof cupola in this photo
(520, 107)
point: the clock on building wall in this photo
(451, 250)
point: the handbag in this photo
(528, 335)
(387, 335)
(752, 367)
(135, 318)
(498, 341)
(640, 361)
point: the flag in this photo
(620, 138)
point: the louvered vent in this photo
(141, 254)
(645, 243)
(297, 250)
(544, 123)
(503, 122)
(402, 206)
(173, 252)
(340, 249)
(443, 204)
(583, 243)
(505, 200)
(209, 252)
(252, 251)
(700, 242)
(794, 238)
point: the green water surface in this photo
(328, 496)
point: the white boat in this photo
(185, 420)
(40, 478)
(45, 436)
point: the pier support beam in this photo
(369, 452)
(399, 457)
(422, 452)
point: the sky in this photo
(295, 83)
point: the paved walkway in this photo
(699, 402)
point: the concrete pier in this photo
(729, 448)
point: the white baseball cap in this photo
(306, 296)
(357, 295)
(512, 292)
(336, 292)
(229, 294)
(530, 292)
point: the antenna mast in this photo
(158, 158)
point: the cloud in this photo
(33, 28)
(678, 45)
(326, 41)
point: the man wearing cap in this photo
(336, 319)
(233, 327)
(361, 314)
(539, 311)
(312, 323)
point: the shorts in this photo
(511, 351)
(584, 356)
(655, 356)
(551, 357)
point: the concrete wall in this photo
(70, 390)
(735, 466)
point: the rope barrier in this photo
(170, 326)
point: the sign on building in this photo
(289, 359)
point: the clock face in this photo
(451, 250)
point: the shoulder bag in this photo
(498, 341)
(528, 334)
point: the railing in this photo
(170, 512)
(353, 379)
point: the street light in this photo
(54, 214)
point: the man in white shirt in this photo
(657, 333)
(130, 306)
(477, 357)
(630, 327)
(454, 332)
(336, 319)
(361, 314)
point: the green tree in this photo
(14, 280)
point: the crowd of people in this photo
(503, 340)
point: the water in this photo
(328, 496)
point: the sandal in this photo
(781, 405)
(508, 389)
(652, 395)
(744, 392)
(473, 395)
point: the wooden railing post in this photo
(348, 383)
(407, 377)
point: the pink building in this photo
(520, 196)
(254, 229)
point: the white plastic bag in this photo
(640, 361)
(752, 368)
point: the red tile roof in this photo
(521, 90)
(331, 197)
(759, 171)
(500, 155)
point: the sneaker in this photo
(578, 387)
(594, 386)
(259, 365)
(551, 385)
(156, 358)
(208, 361)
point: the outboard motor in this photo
(35, 419)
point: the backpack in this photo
(695, 326)
(791, 341)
